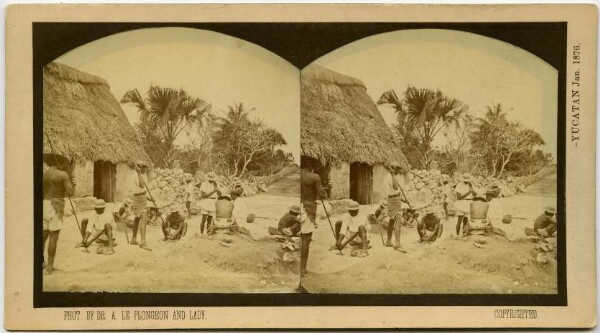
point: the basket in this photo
(479, 209)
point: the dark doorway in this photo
(105, 180)
(361, 183)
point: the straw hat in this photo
(295, 209)
(175, 209)
(466, 177)
(353, 205)
(550, 210)
(99, 203)
(428, 210)
(211, 176)
(127, 202)
(383, 204)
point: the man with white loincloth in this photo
(56, 185)
(209, 192)
(464, 195)
(311, 190)
(102, 229)
(139, 208)
(394, 203)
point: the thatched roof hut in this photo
(84, 120)
(341, 123)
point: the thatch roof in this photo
(84, 120)
(340, 122)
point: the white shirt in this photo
(350, 224)
(100, 220)
(240, 211)
(207, 187)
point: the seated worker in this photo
(289, 224)
(346, 231)
(240, 211)
(545, 224)
(154, 216)
(125, 214)
(380, 216)
(224, 207)
(103, 227)
(429, 228)
(175, 225)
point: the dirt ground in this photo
(450, 265)
(193, 264)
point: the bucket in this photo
(224, 208)
(479, 209)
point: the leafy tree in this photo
(422, 114)
(239, 140)
(152, 142)
(167, 110)
(497, 140)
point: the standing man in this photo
(394, 203)
(139, 208)
(56, 185)
(209, 192)
(464, 195)
(189, 195)
(311, 191)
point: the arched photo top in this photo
(477, 70)
(215, 67)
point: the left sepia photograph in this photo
(171, 165)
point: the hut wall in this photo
(340, 182)
(380, 173)
(125, 180)
(83, 176)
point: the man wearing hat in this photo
(175, 226)
(429, 228)
(464, 195)
(102, 228)
(545, 224)
(139, 207)
(349, 228)
(289, 224)
(209, 192)
(56, 186)
(125, 213)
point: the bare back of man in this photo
(56, 186)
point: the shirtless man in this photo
(311, 191)
(139, 208)
(56, 186)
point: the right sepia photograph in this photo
(428, 164)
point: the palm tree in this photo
(424, 112)
(169, 110)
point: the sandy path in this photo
(451, 265)
(194, 264)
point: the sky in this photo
(220, 69)
(477, 70)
